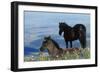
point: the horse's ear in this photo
(49, 37)
(45, 37)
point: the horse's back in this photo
(79, 27)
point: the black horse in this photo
(78, 32)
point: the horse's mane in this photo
(64, 25)
(56, 44)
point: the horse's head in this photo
(51, 46)
(45, 44)
(62, 26)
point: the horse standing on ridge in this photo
(78, 32)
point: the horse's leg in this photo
(70, 44)
(66, 44)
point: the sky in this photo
(39, 24)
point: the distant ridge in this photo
(28, 50)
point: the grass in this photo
(84, 54)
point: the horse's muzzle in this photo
(41, 49)
(40, 53)
(60, 32)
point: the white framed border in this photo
(22, 64)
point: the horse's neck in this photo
(68, 28)
(53, 49)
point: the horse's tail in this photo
(83, 36)
(84, 40)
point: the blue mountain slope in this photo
(61, 42)
(28, 50)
